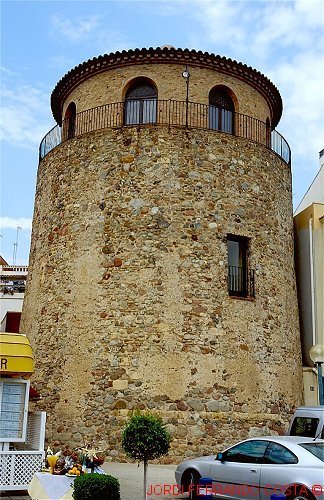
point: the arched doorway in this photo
(140, 103)
(221, 110)
(69, 121)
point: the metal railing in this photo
(14, 269)
(241, 281)
(12, 289)
(171, 113)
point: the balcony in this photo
(241, 282)
(13, 270)
(12, 288)
(169, 113)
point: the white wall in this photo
(10, 303)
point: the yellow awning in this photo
(16, 355)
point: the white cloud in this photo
(259, 28)
(60, 61)
(111, 40)
(221, 20)
(7, 72)
(288, 25)
(301, 84)
(25, 114)
(284, 40)
(75, 30)
(100, 36)
(13, 223)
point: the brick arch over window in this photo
(222, 103)
(140, 102)
(69, 121)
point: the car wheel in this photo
(302, 495)
(191, 482)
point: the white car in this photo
(308, 421)
(258, 467)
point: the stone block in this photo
(120, 385)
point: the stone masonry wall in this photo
(110, 86)
(127, 304)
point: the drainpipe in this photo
(311, 259)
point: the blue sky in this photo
(42, 40)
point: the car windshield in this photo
(304, 426)
(316, 449)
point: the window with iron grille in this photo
(140, 103)
(240, 276)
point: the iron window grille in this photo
(240, 276)
(241, 282)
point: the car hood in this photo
(209, 458)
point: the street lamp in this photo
(186, 75)
(316, 353)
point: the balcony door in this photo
(69, 122)
(140, 103)
(221, 111)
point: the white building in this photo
(309, 256)
(12, 292)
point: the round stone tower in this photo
(161, 266)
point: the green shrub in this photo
(96, 487)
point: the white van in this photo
(308, 421)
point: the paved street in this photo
(131, 481)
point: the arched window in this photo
(221, 110)
(69, 121)
(140, 103)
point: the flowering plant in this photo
(90, 457)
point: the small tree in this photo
(145, 438)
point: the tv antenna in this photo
(15, 247)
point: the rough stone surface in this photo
(127, 304)
(159, 331)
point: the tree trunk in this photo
(145, 479)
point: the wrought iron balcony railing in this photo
(241, 282)
(12, 289)
(172, 113)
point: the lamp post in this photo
(186, 75)
(316, 354)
